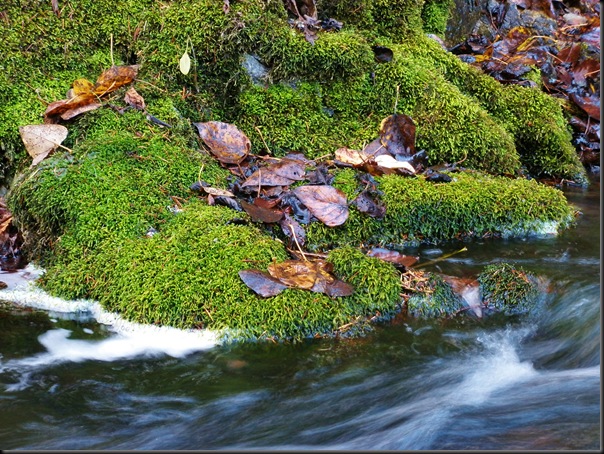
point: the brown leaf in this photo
(74, 112)
(261, 283)
(365, 203)
(217, 192)
(590, 104)
(260, 214)
(114, 78)
(82, 87)
(393, 257)
(338, 288)
(293, 229)
(353, 157)
(295, 273)
(41, 140)
(397, 135)
(57, 109)
(282, 173)
(134, 99)
(325, 202)
(227, 143)
(55, 7)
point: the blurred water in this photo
(530, 382)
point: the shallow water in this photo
(529, 382)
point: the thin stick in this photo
(396, 100)
(463, 249)
(199, 174)
(111, 49)
(266, 146)
(291, 227)
(259, 182)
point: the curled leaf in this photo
(134, 99)
(326, 203)
(114, 78)
(388, 162)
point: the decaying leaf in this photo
(397, 135)
(114, 78)
(282, 173)
(365, 203)
(66, 109)
(293, 230)
(326, 203)
(227, 143)
(261, 214)
(134, 99)
(41, 140)
(262, 283)
(395, 257)
(82, 87)
(353, 157)
(184, 64)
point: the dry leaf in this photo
(353, 157)
(134, 99)
(82, 87)
(388, 162)
(114, 78)
(185, 63)
(261, 214)
(41, 140)
(326, 203)
(295, 273)
(282, 173)
(227, 143)
(397, 135)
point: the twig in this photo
(261, 137)
(111, 49)
(291, 227)
(442, 257)
(396, 100)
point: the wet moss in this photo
(508, 289)
(436, 300)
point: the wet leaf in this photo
(326, 203)
(395, 257)
(216, 192)
(226, 201)
(590, 104)
(292, 228)
(262, 283)
(227, 143)
(114, 78)
(261, 214)
(66, 109)
(365, 203)
(134, 99)
(41, 140)
(82, 87)
(338, 288)
(397, 135)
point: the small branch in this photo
(463, 249)
(261, 137)
(291, 227)
(111, 49)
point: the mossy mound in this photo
(87, 216)
(471, 205)
(508, 289)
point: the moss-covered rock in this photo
(87, 215)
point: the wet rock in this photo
(255, 69)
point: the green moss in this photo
(436, 301)
(435, 15)
(473, 204)
(507, 288)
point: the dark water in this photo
(532, 382)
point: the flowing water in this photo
(529, 382)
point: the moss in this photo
(437, 299)
(507, 288)
(435, 14)
(472, 205)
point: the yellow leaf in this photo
(82, 87)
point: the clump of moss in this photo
(472, 205)
(508, 289)
(436, 300)
(435, 14)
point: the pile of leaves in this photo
(293, 191)
(568, 59)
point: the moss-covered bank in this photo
(86, 215)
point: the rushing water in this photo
(531, 382)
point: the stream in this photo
(529, 382)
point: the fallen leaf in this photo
(41, 140)
(114, 78)
(184, 63)
(69, 108)
(282, 173)
(388, 162)
(74, 112)
(353, 157)
(134, 99)
(293, 230)
(395, 257)
(82, 87)
(262, 283)
(326, 203)
(227, 143)
(295, 273)
(397, 135)
(365, 203)
(217, 192)
(261, 214)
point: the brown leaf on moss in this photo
(134, 99)
(326, 203)
(66, 109)
(295, 273)
(261, 214)
(282, 173)
(262, 283)
(397, 135)
(226, 142)
(114, 78)
(82, 87)
(351, 157)
(365, 203)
